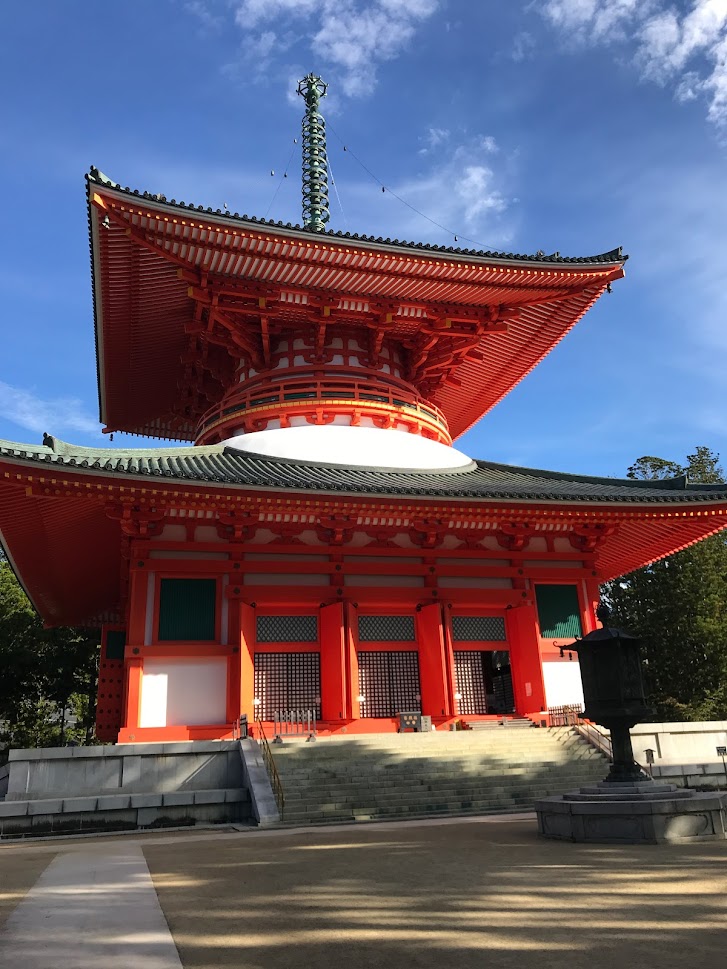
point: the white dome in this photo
(356, 446)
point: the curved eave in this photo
(67, 553)
(224, 219)
(142, 305)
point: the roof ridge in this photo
(615, 255)
(673, 484)
(480, 481)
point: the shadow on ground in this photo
(460, 895)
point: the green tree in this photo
(679, 608)
(47, 674)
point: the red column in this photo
(134, 672)
(353, 707)
(525, 660)
(592, 596)
(138, 584)
(432, 663)
(233, 662)
(333, 662)
(449, 659)
(247, 660)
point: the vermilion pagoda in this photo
(321, 545)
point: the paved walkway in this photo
(460, 894)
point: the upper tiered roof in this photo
(474, 323)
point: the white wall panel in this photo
(563, 685)
(183, 692)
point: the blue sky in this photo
(570, 125)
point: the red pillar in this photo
(333, 662)
(353, 707)
(247, 660)
(432, 662)
(134, 664)
(525, 660)
(592, 596)
(134, 672)
(233, 661)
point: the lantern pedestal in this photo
(643, 812)
(628, 807)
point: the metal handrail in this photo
(595, 737)
(269, 761)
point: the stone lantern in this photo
(628, 807)
(613, 689)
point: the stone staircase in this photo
(395, 776)
(507, 723)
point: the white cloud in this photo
(353, 36)
(204, 13)
(55, 415)
(686, 49)
(433, 138)
(459, 192)
(523, 46)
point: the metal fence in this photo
(571, 715)
(294, 723)
(565, 716)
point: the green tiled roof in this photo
(96, 177)
(481, 480)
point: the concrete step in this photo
(445, 783)
(518, 723)
(392, 812)
(421, 775)
(394, 775)
(451, 783)
(389, 756)
(524, 791)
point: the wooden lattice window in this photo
(386, 629)
(388, 681)
(477, 629)
(469, 678)
(287, 681)
(187, 610)
(558, 611)
(287, 629)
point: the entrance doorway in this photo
(388, 682)
(484, 681)
(288, 681)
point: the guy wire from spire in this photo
(316, 212)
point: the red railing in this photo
(256, 402)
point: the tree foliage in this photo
(48, 675)
(679, 608)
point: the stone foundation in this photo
(647, 813)
(119, 787)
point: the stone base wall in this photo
(60, 772)
(60, 790)
(121, 812)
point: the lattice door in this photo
(469, 678)
(389, 682)
(288, 681)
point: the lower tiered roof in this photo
(222, 465)
(61, 507)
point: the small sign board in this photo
(722, 751)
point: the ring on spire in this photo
(316, 212)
